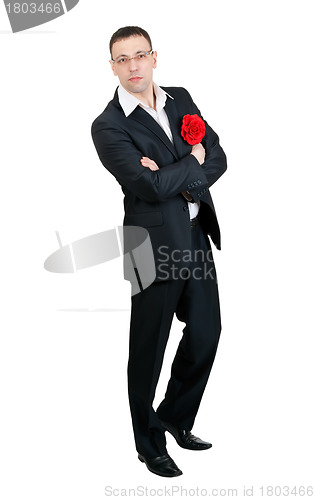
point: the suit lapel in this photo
(175, 123)
(147, 121)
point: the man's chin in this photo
(136, 87)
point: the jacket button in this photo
(185, 208)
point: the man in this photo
(165, 181)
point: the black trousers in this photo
(192, 295)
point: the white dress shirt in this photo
(129, 102)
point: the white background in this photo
(65, 424)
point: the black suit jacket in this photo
(153, 199)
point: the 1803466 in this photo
(286, 491)
(33, 8)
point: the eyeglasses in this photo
(140, 58)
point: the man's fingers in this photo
(147, 162)
(151, 167)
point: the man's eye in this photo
(141, 56)
(122, 60)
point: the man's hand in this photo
(146, 162)
(199, 152)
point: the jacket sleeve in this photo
(121, 157)
(215, 163)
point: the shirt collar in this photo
(129, 102)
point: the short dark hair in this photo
(127, 32)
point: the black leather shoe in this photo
(186, 439)
(162, 466)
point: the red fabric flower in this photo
(193, 129)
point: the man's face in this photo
(135, 75)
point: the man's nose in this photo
(133, 65)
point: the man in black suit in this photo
(166, 184)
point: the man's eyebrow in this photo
(138, 52)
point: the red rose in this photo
(193, 129)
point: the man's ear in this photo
(113, 67)
(154, 56)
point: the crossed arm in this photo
(198, 151)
